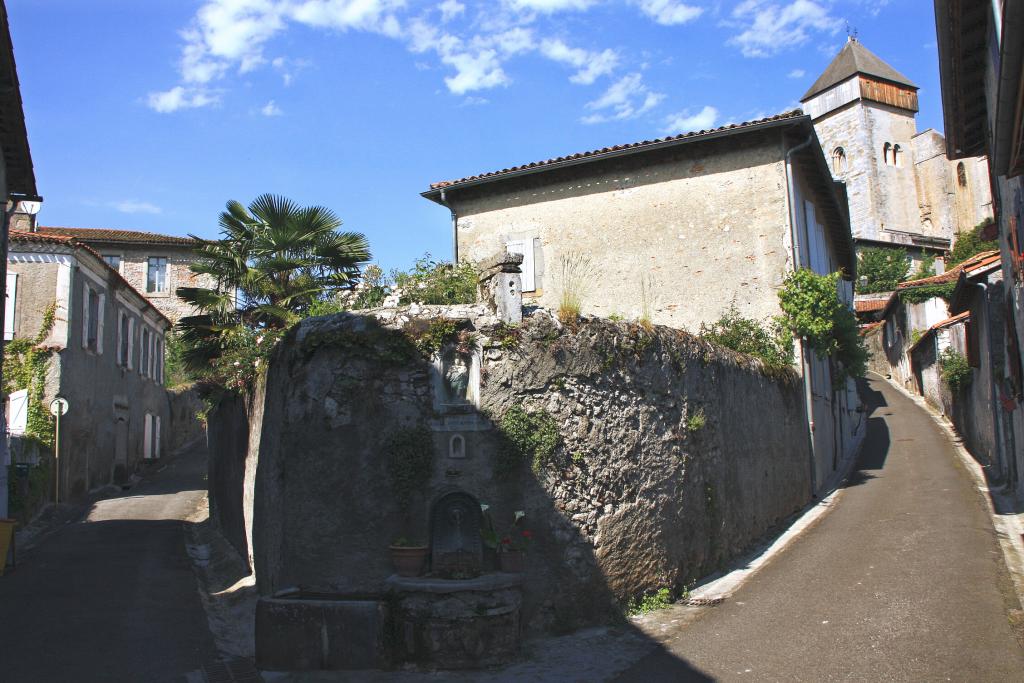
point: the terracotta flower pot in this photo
(512, 561)
(409, 560)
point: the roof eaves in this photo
(784, 119)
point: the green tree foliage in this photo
(925, 269)
(437, 282)
(770, 341)
(275, 262)
(813, 310)
(955, 370)
(880, 269)
(969, 243)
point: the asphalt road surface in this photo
(111, 597)
(902, 581)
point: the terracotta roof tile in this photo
(112, 235)
(597, 153)
(74, 243)
(869, 305)
(977, 261)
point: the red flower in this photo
(527, 533)
(506, 541)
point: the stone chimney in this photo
(500, 286)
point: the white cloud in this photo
(590, 65)
(685, 122)
(135, 206)
(627, 98)
(271, 109)
(549, 6)
(768, 27)
(450, 9)
(796, 73)
(472, 101)
(474, 71)
(669, 12)
(180, 97)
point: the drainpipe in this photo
(455, 230)
(804, 361)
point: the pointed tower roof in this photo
(855, 59)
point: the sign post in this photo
(58, 407)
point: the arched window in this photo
(839, 160)
(961, 174)
(897, 155)
(886, 152)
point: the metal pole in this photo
(56, 458)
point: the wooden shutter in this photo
(100, 316)
(524, 247)
(85, 316)
(156, 436)
(131, 342)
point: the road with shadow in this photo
(902, 581)
(111, 597)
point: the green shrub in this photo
(813, 310)
(880, 269)
(770, 342)
(956, 371)
(410, 454)
(697, 421)
(921, 293)
(969, 243)
(437, 283)
(650, 602)
(925, 269)
(526, 436)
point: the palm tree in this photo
(273, 261)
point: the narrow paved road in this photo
(112, 597)
(902, 581)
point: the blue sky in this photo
(150, 115)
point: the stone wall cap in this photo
(426, 584)
(501, 259)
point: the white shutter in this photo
(524, 247)
(85, 316)
(156, 436)
(101, 314)
(12, 293)
(17, 412)
(147, 437)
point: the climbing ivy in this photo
(25, 365)
(410, 455)
(920, 294)
(813, 310)
(525, 436)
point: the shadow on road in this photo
(877, 441)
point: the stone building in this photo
(106, 344)
(902, 187)
(676, 230)
(981, 65)
(155, 265)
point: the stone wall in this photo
(673, 457)
(227, 437)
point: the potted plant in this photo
(513, 546)
(407, 558)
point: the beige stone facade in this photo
(684, 232)
(130, 253)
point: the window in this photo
(838, 160)
(12, 294)
(92, 319)
(961, 174)
(156, 274)
(113, 260)
(897, 156)
(144, 365)
(124, 331)
(886, 153)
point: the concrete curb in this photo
(1009, 525)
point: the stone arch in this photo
(886, 153)
(961, 174)
(839, 161)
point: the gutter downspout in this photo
(455, 229)
(805, 363)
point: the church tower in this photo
(863, 111)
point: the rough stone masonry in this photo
(673, 456)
